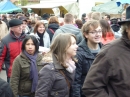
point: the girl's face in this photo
(30, 47)
(71, 51)
(41, 28)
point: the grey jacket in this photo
(69, 28)
(51, 82)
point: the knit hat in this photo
(84, 15)
(15, 22)
(45, 16)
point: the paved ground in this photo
(3, 75)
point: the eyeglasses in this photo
(96, 32)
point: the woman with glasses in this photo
(87, 50)
(107, 34)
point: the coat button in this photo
(56, 93)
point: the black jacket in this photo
(5, 90)
(54, 27)
(85, 59)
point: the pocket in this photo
(25, 69)
(25, 87)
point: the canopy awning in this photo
(8, 6)
(109, 8)
(47, 6)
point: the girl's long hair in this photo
(59, 47)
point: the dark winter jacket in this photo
(85, 59)
(109, 73)
(5, 90)
(70, 28)
(51, 82)
(52, 27)
(10, 48)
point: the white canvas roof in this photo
(70, 6)
(50, 4)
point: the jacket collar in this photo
(57, 65)
(21, 37)
(84, 46)
(39, 57)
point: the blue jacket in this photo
(85, 59)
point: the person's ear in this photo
(85, 35)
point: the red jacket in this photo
(109, 37)
(10, 47)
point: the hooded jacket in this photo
(53, 27)
(51, 82)
(70, 28)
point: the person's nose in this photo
(30, 46)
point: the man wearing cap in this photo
(25, 27)
(109, 75)
(10, 45)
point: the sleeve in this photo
(45, 82)
(3, 50)
(80, 38)
(15, 77)
(76, 87)
(96, 81)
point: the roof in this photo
(109, 8)
(48, 4)
(7, 6)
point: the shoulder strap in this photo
(51, 30)
(65, 78)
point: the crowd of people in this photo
(50, 56)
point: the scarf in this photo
(41, 38)
(33, 70)
(71, 66)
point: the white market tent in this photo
(109, 8)
(46, 6)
